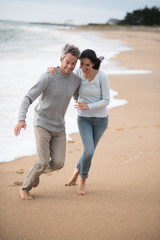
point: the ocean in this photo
(26, 50)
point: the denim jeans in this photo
(91, 130)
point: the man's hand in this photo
(81, 106)
(19, 126)
(51, 70)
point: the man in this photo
(55, 92)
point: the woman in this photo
(93, 98)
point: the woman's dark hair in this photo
(90, 54)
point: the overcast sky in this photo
(74, 11)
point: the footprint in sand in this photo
(71, 141)
(20, 171)
(134, 127)
(16, 184)
(120, 129)
(157, 125)
(49, 174)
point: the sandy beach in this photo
(122, 200)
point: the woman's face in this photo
(86, 65)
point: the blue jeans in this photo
(91, 130)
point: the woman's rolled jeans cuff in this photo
(82, 176)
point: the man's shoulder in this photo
(47, 75)
(77, 78)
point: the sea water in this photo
(26, 50)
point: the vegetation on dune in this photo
(146, 17)
(140, 17)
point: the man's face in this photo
(68, 63)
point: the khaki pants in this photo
(51, 149)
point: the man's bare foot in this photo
(81, 187)
(36, 183)
(73, 179)
(25, 195)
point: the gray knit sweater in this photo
(55, 93)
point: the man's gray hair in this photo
(69, 48)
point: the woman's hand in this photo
(51, 70)
(81, 106)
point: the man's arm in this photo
(19, 126)
(32, 94)
(76, 94)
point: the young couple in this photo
(90, 89)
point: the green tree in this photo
(146, 16)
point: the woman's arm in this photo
(105, 91)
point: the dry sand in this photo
(122, 200)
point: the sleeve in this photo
(76, 94)
(32, 95)
(105, 94)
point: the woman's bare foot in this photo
(36, 183)
(81, 187)
(25, 195)
(73, 179)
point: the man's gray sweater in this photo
(55, 93)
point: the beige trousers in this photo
(51, 149)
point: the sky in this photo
(70, 11)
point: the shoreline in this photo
(122, 192)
